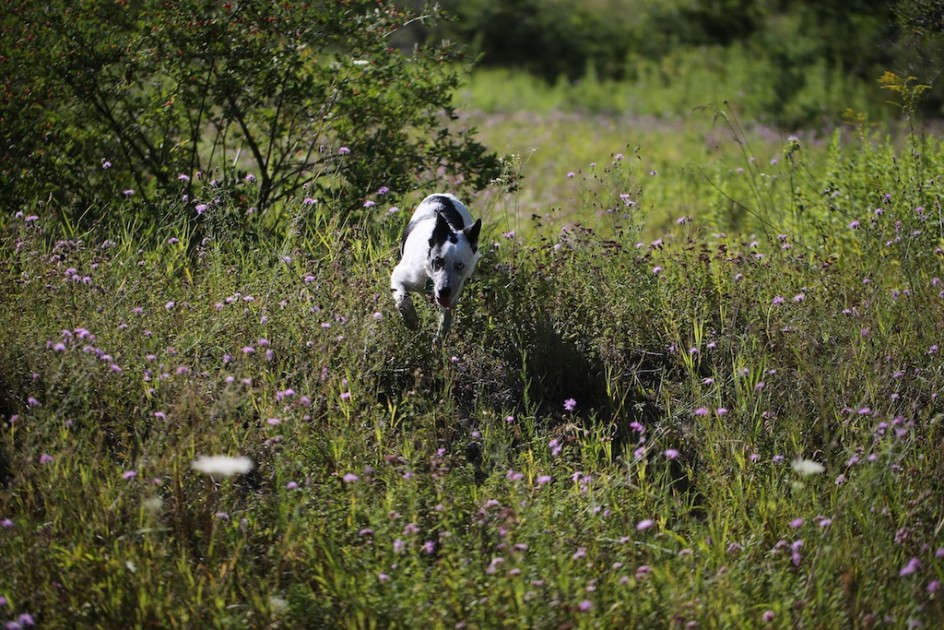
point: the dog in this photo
(440, 244)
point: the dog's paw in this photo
(410, 319)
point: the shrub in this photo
(262, 97)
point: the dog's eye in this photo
(437, 263)
(460, 266)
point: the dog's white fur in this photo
(439, 244)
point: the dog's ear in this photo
(472, 233)
(441, 232)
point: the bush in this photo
(263, 98)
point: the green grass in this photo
(400, 485)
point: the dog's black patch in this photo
(444, 207)
(448, 210)
(442, 232)
(406, 234)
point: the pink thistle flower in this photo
(910, 568)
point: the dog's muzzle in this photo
(444, 297)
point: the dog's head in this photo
(452, 257)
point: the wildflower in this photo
(670, 453)
(106, 164)
(543, 479)
(656, 270)
(778, 300)
(580, 553)
(383, 577)
(6, 524)
(797, 522)
(910, 568)
(291, 485)
(806, 467)
(201, 208)
(129, 474)
(128, 192)
(555, 447)
(570, 404)
(644, 524)
(429, 547)
(795, 555)
(222, 465)
(345, 396)
(170, 305)
(344, 151)
(701, 411)
(854, 225)
(934, 586)
(768, 616)
(721, 411)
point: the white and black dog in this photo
(439, 244)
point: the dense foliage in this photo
(156, 99)
(798, 54)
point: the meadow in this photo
(695, 382)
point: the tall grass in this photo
(620, 432)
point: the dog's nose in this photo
(445, 292)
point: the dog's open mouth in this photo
(444, 301)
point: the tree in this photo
(267, 96)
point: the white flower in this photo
(222, 465)
(807, 467)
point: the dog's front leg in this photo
(406, 308)
(445, 324)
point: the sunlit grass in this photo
(714, 402)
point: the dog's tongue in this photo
(443, 301)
